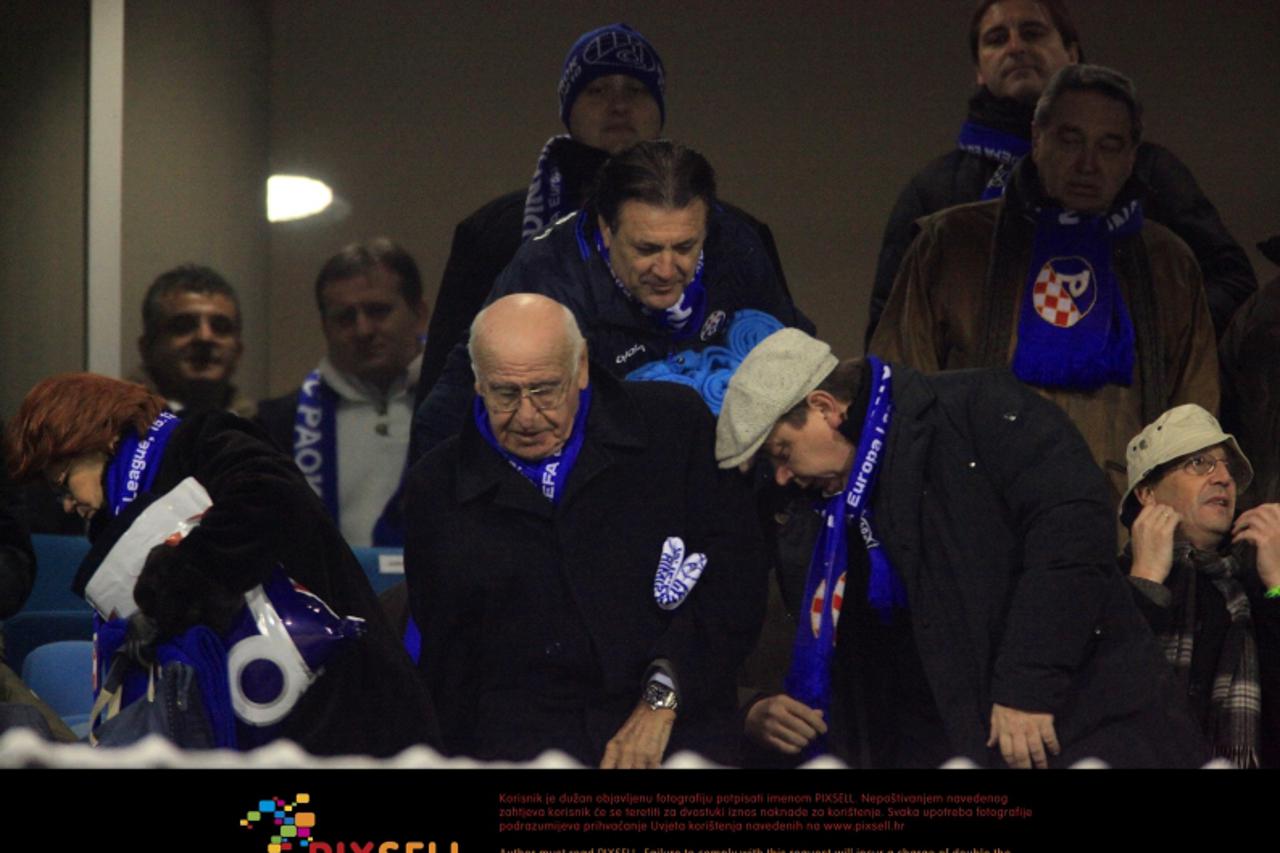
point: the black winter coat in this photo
(994, 514)
(370, 699)
(1171, 197)
(539, 621)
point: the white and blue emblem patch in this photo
(714, 323)
(677, 573)
(1065, 291)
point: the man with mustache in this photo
(1063, 280)
(190, 343)
(1207, 581)
(1017, 45)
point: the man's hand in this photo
(1023, 737)
(784, 724)
(642, 740)
(1152, 542)
(1260, 526)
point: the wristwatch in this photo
(659, 696)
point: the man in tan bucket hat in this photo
(1207, 581)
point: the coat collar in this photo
(614, 423)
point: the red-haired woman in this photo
(108, 447)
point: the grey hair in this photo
(1090, 78)
(572, 337)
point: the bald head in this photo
(523, 326)
(530, 363)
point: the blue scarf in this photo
(809, 679)
(133, 468)
(315, 452)
(682, 319)
(1074, 329)
(199, 648)
(1004, 149)
(549, 474)
(546, 201)
(708, 371)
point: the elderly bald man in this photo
(584, 578)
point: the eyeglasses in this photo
(1202, 465)
(507, 398)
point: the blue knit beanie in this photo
(613, 49)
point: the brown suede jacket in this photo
(943, 315)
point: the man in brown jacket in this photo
(1062, 280)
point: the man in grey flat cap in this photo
(984, 616)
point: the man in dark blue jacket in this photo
(654, 269)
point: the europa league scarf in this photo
(809, 679)
(133, 468)
(315, 452)
(686, 316)
(1003, 149)
(1074, 329)
(549, 474)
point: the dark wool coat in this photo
(994, 514)
(741, 271)
(1170, 196)
(370, 699)
(539, 622)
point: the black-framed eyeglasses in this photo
(543, 396)
(1202, 465)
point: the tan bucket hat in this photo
(1181, 430)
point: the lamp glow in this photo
(292, 197)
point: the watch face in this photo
(659, 695)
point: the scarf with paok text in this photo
(550, 473)
(1003, 149)
(682, 319)
(809, 679)
(133, 468)
(315, 452)
(1074, 330)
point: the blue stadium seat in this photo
(31, 629)
(57, 559)
(61, 674)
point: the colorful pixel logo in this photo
(290, 828)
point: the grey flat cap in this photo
(774, 377)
